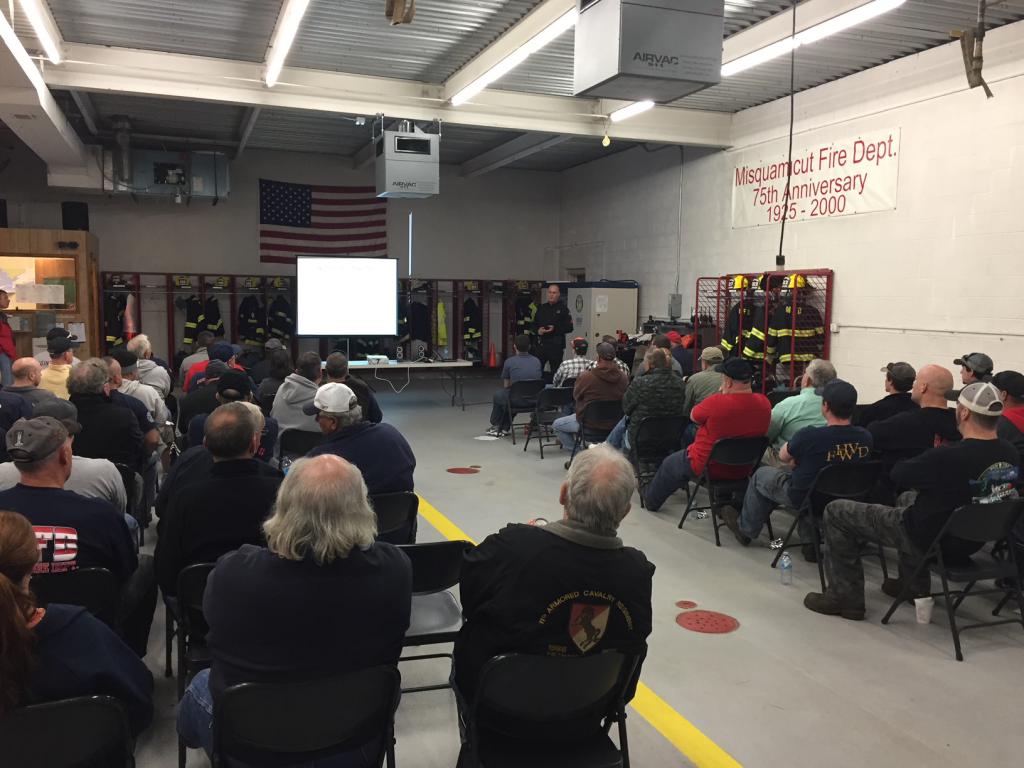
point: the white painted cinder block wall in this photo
(941, 275)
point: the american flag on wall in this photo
(317, 220)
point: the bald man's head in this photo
(931, 385)
(27, 372)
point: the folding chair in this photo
(133, 489)
(95, 589)
(70, 733)
(279, 724)
(547, 711)
(596, 412)
(656, 438)
(436, 613)
(981, 524)
(186, 612)
(550, 402)
(728, 452)
(522, 398)
(296, 443)
(776, 396)
(852, 481)
(396, 516)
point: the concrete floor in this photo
(788, 687)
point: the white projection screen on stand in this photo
(340, 296)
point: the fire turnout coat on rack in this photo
(281, 319)
(211, 317)
(252, 322)
(114, 306)
(801, 341)
(194, 317)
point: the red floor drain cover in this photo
(463, 470)
(686, 604)
(709, 622)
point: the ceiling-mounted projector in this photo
(647, 49)
(407, 162)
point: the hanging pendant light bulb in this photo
(606, 141)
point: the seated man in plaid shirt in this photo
(571, 369)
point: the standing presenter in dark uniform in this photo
(552, 322)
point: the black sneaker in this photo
(893, 587)
(830, 605)
(809, 554)
(732, 521)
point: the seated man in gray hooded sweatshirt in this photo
(298, 390)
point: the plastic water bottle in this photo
(786, 569)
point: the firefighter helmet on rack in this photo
(740, 283)
(795, 281)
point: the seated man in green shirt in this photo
(802, 410)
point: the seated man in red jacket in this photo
(736, 411)
(569, 588)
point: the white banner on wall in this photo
(837, 177)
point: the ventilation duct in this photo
(407, 162)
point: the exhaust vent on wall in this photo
(660, 50)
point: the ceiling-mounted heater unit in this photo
(660, 50)
(407, 162)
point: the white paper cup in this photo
(924, 606)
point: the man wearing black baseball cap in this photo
(979, 468)
(74, 531)
(1011, 424)
(806, 453)
(975, 366)
(736, 411)
(574, 367)
(60, 343)
(234, 387)
(899, 380)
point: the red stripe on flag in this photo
(300, 248)
(354, 201)
(375, 235)
(347, 214)
(349, 225)
(319, 188)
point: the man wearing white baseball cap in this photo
(378, 450)
(981, 467)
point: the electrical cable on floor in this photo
(780, 257)
(408, 374)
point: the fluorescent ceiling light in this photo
(45, 29)
(811, 35)
(630, 111)
(563, 23)
(284, 35)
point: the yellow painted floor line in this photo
(680, 732)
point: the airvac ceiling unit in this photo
(647, 49)
(407, 162)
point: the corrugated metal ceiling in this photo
(568, 154)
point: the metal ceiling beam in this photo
(528, 27)
(169, 75)
(87, 110)
(510, 152)
(780, 26)
(248, 123)
(28, 108)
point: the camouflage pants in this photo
(849, 526)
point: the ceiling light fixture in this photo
(45, 29)
(632, 110)
(563, 23)
(811, 35)
(284, 35)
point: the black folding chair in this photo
(547, 711)
(850, 480)
(728, 452)
(95, 589)
(71, 733)
(776, 396)
(396, 516)
(549, 406)
(981, 524)
(596, 412)
(186, 612)
(296, 443)
(436, 612)
(284, 724)
(569, 383)
(133, 490)
(522, 398)
(656, 438)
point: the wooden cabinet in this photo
(53, 257)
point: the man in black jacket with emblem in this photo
(552, 321)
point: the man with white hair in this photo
(322, 599)
(791, 415)
(148, 371)
(570, 587)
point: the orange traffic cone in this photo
(492, 361)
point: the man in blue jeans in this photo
(521, 367)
